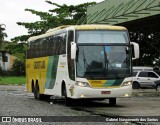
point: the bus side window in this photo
(60, 44)
(37, 47)
(43, 47)
(63, 46)
(50, 46)
(40, 47)
(46, 47)
(57, 48)
(53, 45)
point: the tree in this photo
(2, 34)
(18, 68)
(149, 47)
(61, 15)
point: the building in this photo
(6, 60)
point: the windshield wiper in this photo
(108, 62)
(85, 62)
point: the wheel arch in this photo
(63, 85)
(32, 85)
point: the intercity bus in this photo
(81, 62)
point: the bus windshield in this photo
(102, 37)
(103, 61)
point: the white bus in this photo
(81, 62)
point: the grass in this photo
(12, 80)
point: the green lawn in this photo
(12, 80)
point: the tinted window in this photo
(102, 37)
(49, 46)
(143, 74)
(152, 75)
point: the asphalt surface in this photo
(16, 101)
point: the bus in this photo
(81, 62)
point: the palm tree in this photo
(2, 34)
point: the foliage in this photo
(18, 68)
(1, 71)
(69, 15)
(17, 49)
(61, 15)
(5, 73)
(149, 48)
(2, 34)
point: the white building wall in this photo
(5, 65)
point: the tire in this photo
(37, 95)
(158, 87)
(135, 85)
(112, 101)
(68, 101)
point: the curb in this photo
(145, 92)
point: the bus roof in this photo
(97, 27)
(77, 27)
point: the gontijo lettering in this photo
(39, 65)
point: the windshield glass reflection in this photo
(103, 61)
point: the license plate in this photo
(105, 92)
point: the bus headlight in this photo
(128, 83)
(82, 84)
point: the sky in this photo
(12, 11)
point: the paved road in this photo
(15, 101)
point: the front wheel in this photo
(67, 100)
(112, 101)
(37, 95)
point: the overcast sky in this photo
(12, 11)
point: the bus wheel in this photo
(112, 101)
(67, 100)
(37, 95)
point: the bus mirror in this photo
(135, 50)
(73, 50)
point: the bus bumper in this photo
(91, 93)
